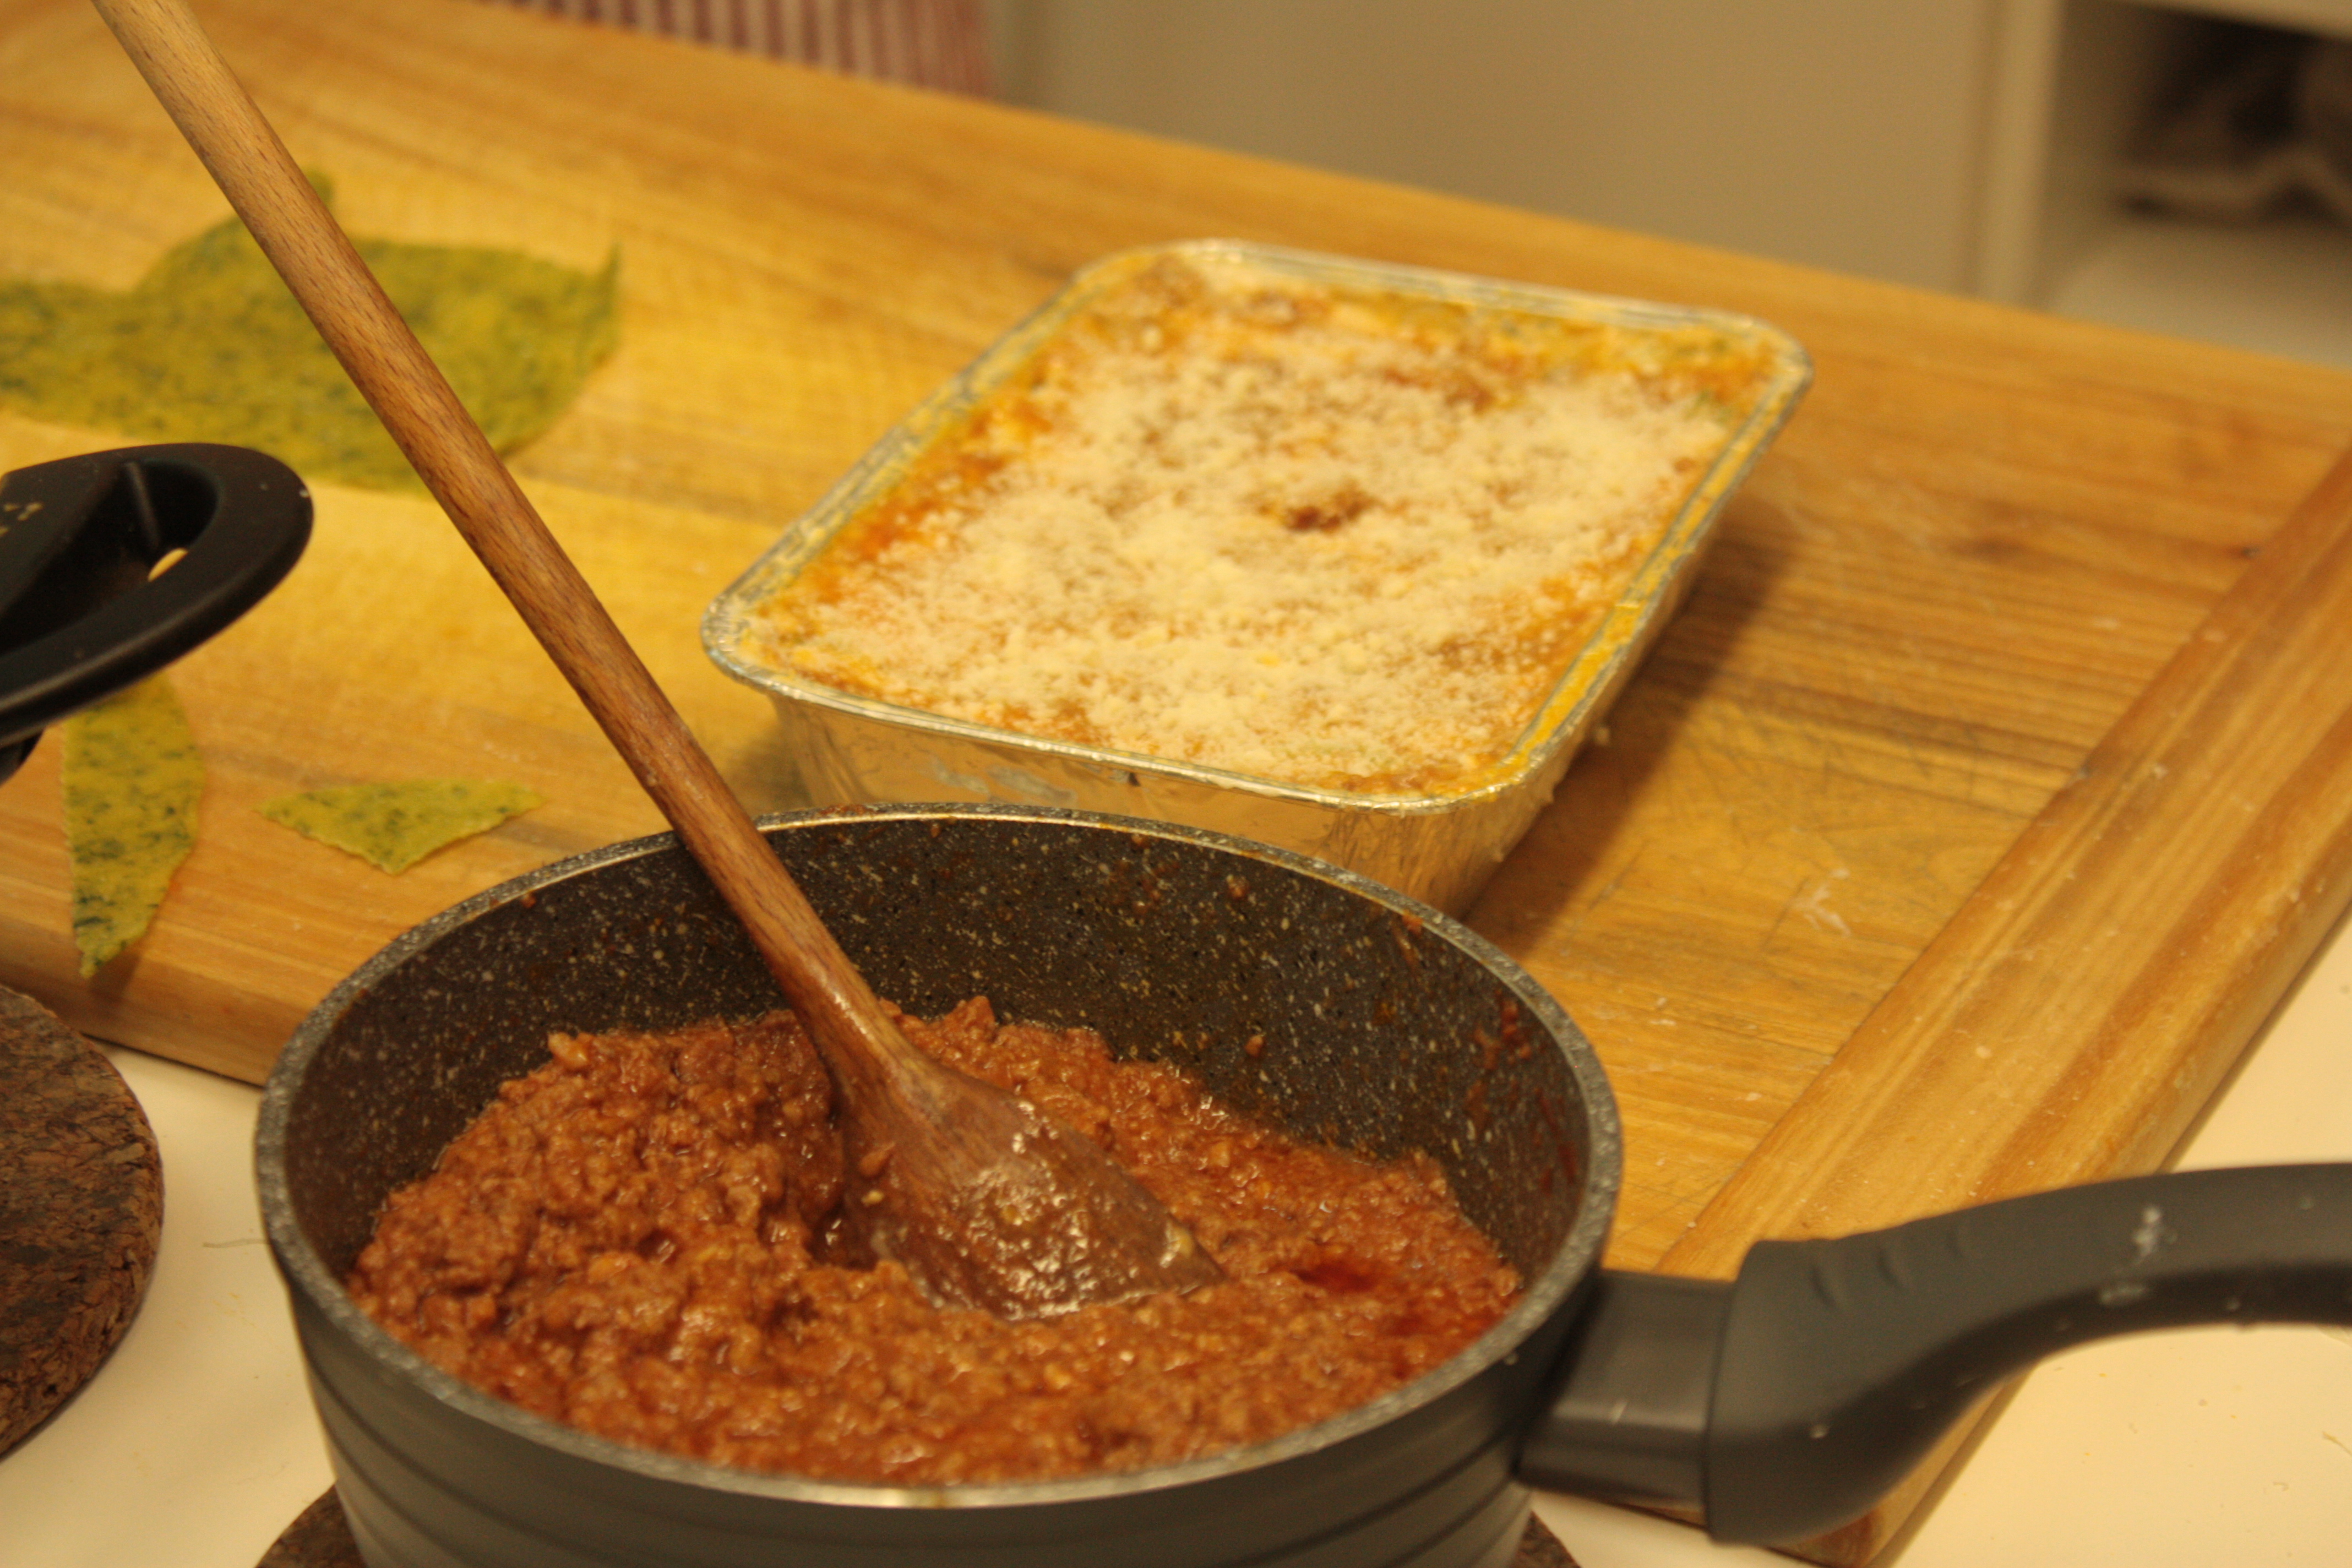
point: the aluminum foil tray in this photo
(1440, 847)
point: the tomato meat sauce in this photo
(642, 1238)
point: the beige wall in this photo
(1845, 133)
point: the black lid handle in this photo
(80, 616)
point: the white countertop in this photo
(194, 1445)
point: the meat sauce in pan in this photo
(641, 1239)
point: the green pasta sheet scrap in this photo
(132, 778)
(211, 346)
(395, 825)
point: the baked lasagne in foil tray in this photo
(1337, 556)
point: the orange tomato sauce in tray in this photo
(1226, 514)
(641, 1239)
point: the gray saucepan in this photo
(1778, 1405)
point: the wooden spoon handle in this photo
(406, 389)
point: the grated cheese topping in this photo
(1252, 522)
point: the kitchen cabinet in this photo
(2071, 84)
(1965, 145)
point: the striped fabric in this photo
(927, 42)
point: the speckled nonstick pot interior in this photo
(1385, 1027)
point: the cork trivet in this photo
(1539, 1548)
(320, 1539)
(82, 1205)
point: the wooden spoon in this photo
(985, 1201)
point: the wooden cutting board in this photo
(1953, 843)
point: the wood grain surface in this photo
(1954, 840)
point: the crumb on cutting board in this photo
(395, 825)
(211, 346)
(132, 777)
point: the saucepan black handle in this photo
(80, 614)
(1787, 1403)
